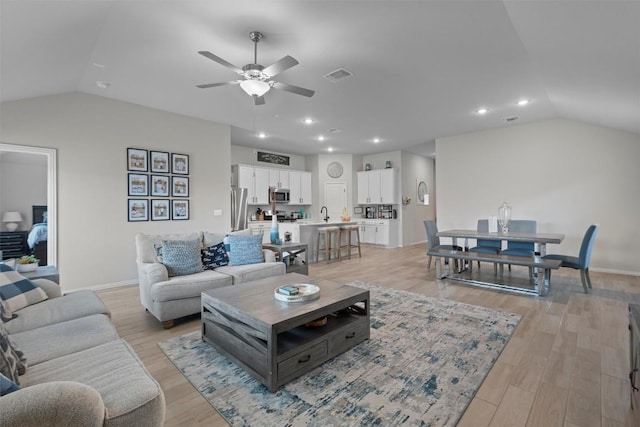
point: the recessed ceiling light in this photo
(308, 121)
(321, 138)
(376, 140)
(262, 135)
(330, 149)
(101, 84)
(523, 102)
(482, 110)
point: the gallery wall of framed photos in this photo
(157, 185)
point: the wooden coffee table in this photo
(267, 337)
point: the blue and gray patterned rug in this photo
(422, 366)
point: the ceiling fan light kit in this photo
(257, 78)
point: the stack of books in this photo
(289, 290)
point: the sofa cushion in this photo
(181, 257)
(18, 292)
(245, 249)
(7, 386)
(249, 272)
(130, 395)
(181, 287)
(145, 251)
(73, 305)
(60, 339)
(214, 256)
(12, 360)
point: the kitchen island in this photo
(309, 233)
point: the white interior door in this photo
(335, 198)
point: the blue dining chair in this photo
(433, 241)
(582, 261)
(526, 249)
(486, 246)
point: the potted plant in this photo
(27, 263)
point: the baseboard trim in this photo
(105, 286)
(613, 271)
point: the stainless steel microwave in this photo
(281, 195)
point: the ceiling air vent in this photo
(337, 75)
(511, 119)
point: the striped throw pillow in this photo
(18, 292)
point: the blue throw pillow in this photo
(245, 249)
(214, 256)
(181, 257)
(7, 386)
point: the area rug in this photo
(424, 362)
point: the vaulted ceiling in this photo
(420, 69)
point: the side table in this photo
(46, 272)
(294, 258)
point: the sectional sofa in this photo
(79, 372)
(170, 296)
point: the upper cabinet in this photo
(378, 187)
(258, 180)
(300, 188)
(279, 178)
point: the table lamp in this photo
(12, 219)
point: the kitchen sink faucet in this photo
(326, 213)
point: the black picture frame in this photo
(137, 160)
(179, 164)
(179, 186)
(137, 210)
(179, 209)
(160, 209)
(276, 159)
(159, 161)
(160, 185)
(137, 184)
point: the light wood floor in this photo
(567, 363)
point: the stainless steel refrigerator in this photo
(239, 208)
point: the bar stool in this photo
(328, 234)
(349, 245)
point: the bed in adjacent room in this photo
(37, 238)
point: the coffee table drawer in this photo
(300, 362)
(349, 335)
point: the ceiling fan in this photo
(257, 78)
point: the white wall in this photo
(91, 135)
(414, 167)
(23, 183)
(564, 174)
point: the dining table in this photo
(540, 239)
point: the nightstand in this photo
(13, 244)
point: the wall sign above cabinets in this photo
(276, 159)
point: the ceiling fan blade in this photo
(293, 89)
(280, 65)
(258, 100)
(208, 85)
(221, 61)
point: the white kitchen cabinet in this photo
(378, 186)
(279, 178)
(256, 181)
(300, 188)
(375, 231)
(263, 228)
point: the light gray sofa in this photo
(79, 372)
(169, 298)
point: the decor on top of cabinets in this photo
(387, 165)
(276, 159)
(423, 193)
